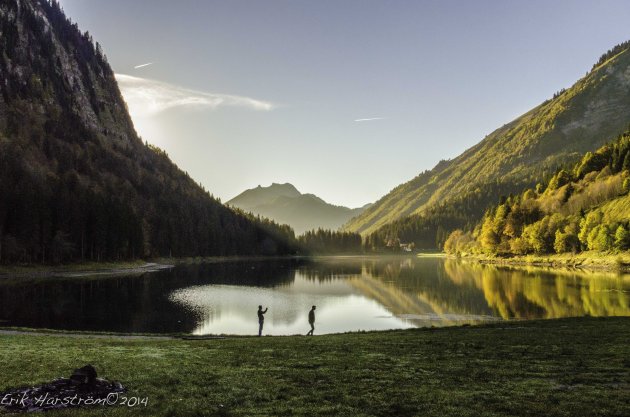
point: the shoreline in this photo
(81, 270)
(582, 262)
(74, 334)
(87, 269)
(499, 323)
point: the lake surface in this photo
(350, 294)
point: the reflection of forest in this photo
(435, 290)
(530, 293)
(447, 287)
(128, 303)
(331, 269)
(416, 287)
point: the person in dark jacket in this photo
(261, 319)
(311, 321)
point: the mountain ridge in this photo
(284, 204)
(77, 182)
(514, 156)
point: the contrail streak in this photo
(369, 119)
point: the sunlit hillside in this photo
(517, 155)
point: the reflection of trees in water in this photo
(128, 303)
(123, 304)
(403, 285)
(410, 286)
(331, 269)
(407, 286)
(389, 268)
(532, 293)
(270, 273)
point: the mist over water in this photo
(351, 294)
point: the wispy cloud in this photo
(143, 65)
(369, 119)
(146, 97)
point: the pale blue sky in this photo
(241, 93)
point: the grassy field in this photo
(568, 367)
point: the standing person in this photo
(261, 319)
(311, 321)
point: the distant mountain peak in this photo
(286, 188)
(285, 204)
(263, 195)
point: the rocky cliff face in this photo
(76, 181)
(47, 58)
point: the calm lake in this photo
(350, 294)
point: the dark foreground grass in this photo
(568, 367)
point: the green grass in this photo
(568, 367)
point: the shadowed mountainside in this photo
(76, 181)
